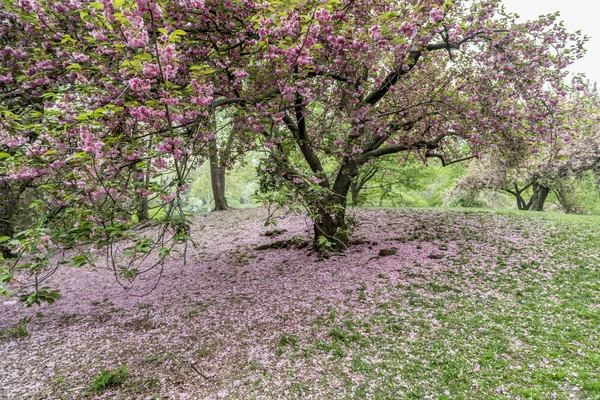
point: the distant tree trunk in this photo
(386, 189)
(566, 197)
(217, 178)
(540, 194)
(7, 228)
(537, 200)
(143, 211)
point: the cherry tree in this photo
(544, 165)
(113, 101)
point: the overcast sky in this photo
(577, 15)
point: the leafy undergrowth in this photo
(471, 305)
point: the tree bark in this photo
(143, 210)
(331, 224)
(9, 202)
(7, 228)
(537, 200)
(217, 178)
(540, 194)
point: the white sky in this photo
(577, 15)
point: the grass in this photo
(509, 310)
(17, 331)
(522, 330)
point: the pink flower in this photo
(138, 85)
(436, 14)
(375, 32)
(80, 58)
(150, 70)
(240, 73)
(408, 30)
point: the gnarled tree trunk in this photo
(540, 194)
(537, 200)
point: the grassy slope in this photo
(528, 330)
(475, 305)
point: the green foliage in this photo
(241, 182)
(109, 378)
(325, 243)
(587, 192)
(38, 296)
(468, 202)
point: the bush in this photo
(468, 203)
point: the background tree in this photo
(546, 165)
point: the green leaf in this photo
(79, 261)
(118, 3)
(97, 5)
(4, 155)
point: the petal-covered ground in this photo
(471, 305)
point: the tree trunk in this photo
(521, 205)
(8, 209)
(331, 230)
(354, 192)
(7, 228)
(143, 209)
(540, 194)
(217, 178)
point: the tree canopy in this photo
(97, 95)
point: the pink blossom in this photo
(436, 14)
(150, 70)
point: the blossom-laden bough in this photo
(107, 105)
(545, 165)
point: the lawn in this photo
(472, 305)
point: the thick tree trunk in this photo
(331, 224)
(217, 178)
(354, 192)
(540, 194)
